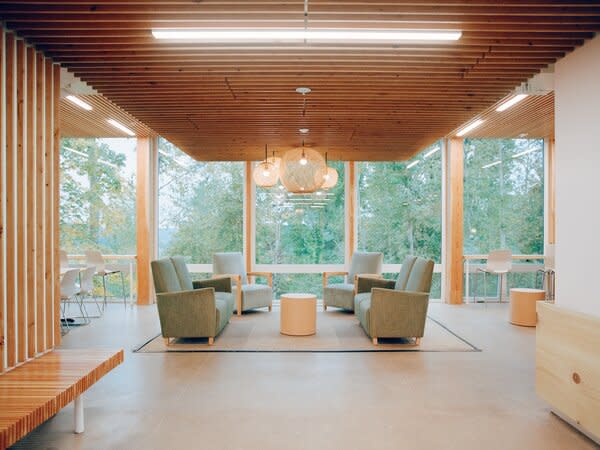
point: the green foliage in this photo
(400, 207)
(504, 203)
(201, 206)
(97, 204)
(290, 231)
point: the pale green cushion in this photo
(231, 263)
(358, 298)
(185, 279)
(365, 262)
(404, 274)
(165, 276)
(420, 276)
(340, 295)
(256, 296)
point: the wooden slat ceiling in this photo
(75, 122)
(368, 101)
(530, 118)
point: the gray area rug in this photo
(337, 332)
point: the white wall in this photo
(577, 89)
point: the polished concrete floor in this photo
(463, 401)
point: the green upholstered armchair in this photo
(341, 295)
(247, 295)
(189, 308)
(388, 309)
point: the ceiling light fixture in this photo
(511, 102)
(431, 152)
(79, 102)
(526, 152)
(413, 164)
(469, 127)
(303, 130)
(303, 35)
(495, 163)
(303, 90)
(121, 127)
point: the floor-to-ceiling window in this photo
(296, 233)
(504, 200)
(400, 209)
(98, 199)
(200, 207)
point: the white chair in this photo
(499, 262)
(86, 288)
(68, 291)
(95, 259)
(548, 274)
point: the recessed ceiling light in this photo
(79, 102)
(303, 90)
(121, 127)
(511, 102)
(303, 130)
(303, 35)
(469, 127)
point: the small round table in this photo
(298, 316)
(523, 303)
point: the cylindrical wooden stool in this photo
(298, 316)
(522, 306)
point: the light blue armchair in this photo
(247, 295)
(341, 295)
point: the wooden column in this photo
(454, 223)
(29, 285)
(248, 208)
(143, 220)
(351, 210)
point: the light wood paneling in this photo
(29, 195)
(56, 199)
(144, 198)
(248, 218)
(531, 118)
(10, 201)
(2, 197)
(77, 122)
(35, 392)
(567, 365)
(454, 232)
(30, 218)
(369, 101)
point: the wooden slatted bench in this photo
(37, 390)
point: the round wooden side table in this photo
(523, 303)
(298, 314)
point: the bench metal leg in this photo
(78, 417)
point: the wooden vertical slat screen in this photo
(29, 270)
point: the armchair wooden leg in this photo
(324, 307)
(374, 341)
(167, 341)
(211, 340)
(270, 307)
(417, 341)
(239, 312)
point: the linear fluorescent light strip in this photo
(495, 163)
(518, 155)
(413, 164)
(469, 127)
(511, 102)
(79, 102)
(301, 35)
(121, 127)
(431, 152)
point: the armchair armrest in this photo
(365, 284)
(187, 313)
(267, 275)
(222, 284)
(398, 313)
(326, 275)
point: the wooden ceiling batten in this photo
(224, 102)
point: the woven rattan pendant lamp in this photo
(303, 170)
(266, 173)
